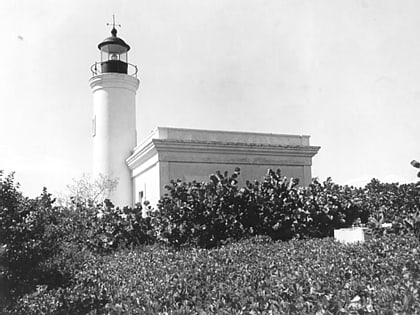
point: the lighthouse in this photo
(144, 170)
(114, 84)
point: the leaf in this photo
(415, 164)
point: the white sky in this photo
(347, 73)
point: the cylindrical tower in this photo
(114, 84)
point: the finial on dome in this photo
(114, 30)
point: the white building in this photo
(172, 153)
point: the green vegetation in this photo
(278, 255)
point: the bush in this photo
(72, 260)
(43, 246)
(209, 214)
(392, 203)
(286, 211)
(28, 236)
(249, 277)
(202, 214)
(104, 228)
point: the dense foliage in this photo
(28, 236)
(392, 203)
(254, 276)
(104, 228)
(208, 214)
(42, 244)
(75, 259)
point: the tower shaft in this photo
(114, 130)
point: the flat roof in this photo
(201, 135)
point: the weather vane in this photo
(114, 30)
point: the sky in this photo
(347, 73)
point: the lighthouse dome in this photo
(114, 44)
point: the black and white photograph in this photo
(210, 157)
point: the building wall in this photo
(146, 179)
(171, 154)
(201, 171)
(146, 186)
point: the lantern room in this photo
(114, 54)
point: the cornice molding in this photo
(140, 155)
(233, 148)
(200, 151)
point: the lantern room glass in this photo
(108, 56)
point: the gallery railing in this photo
(114, 67)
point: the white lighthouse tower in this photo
(114, 84)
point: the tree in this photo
(88, 190)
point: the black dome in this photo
(114, 44)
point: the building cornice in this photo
(141, 154)
(169, 150)
(234, 148)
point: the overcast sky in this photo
(347, 73)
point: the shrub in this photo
(202, 214)
(250, 276)
(62, 254)
(286, 211)
(396, 204)
(28, 236)
(104, 228)
(209, 214)
(43, 245)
